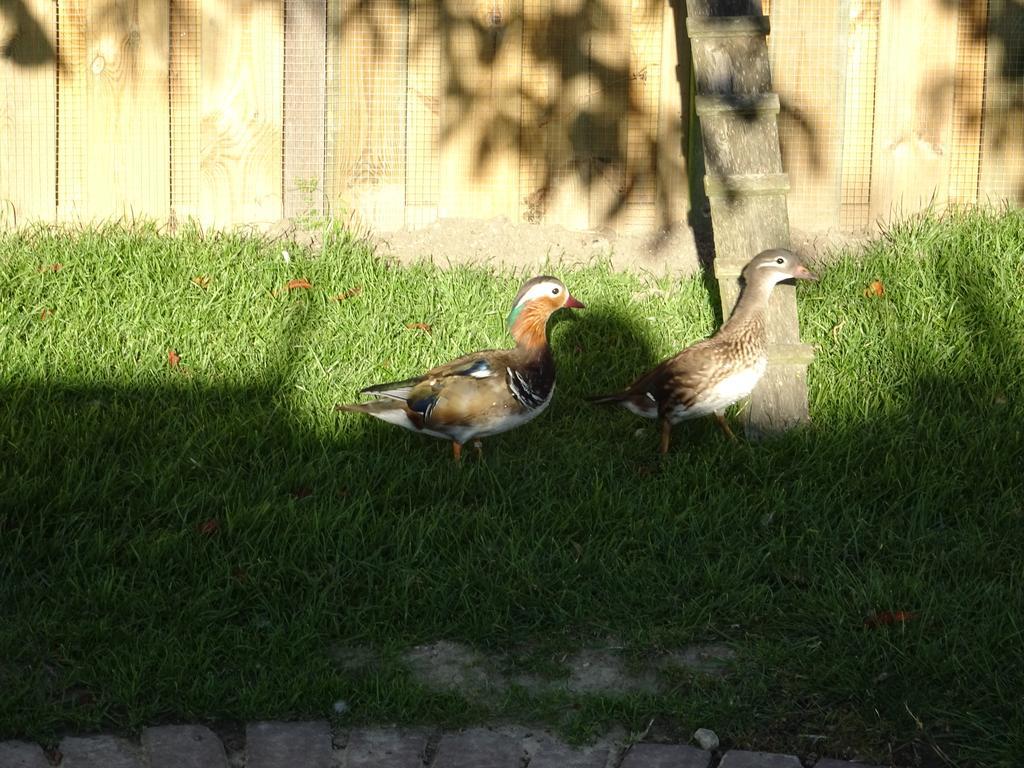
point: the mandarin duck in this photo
(483, 393)
(709, 376)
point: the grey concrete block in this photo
(828, 762)
(99, 752)
(288, 745)
(478, 748)
(22, 754)
(737, 758)
(183, 746)
(385, 748)
(665, 756)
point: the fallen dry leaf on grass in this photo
(209, 527)
(348, 294)
(299, 283)
(885, 618)
(877, 288)
(425, 327)
(302, 492)
(173, 358)
(45, 314)
(52, 268)
(203, 281)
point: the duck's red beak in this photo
(573, 303)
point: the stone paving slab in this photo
(385, 748)
(737, 758)
(552, 753)
(183, 746)
(22, 754)
(99, 752)
(311, 745)
(288, 745)
(477, 748)
(665, 756)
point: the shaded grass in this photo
(124, 604)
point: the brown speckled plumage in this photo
(707, 377)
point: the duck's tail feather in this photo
(395, 390)
(609, 399)
(373, 408)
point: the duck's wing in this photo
(676, 380)
(475, 366)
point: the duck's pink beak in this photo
(573, 303)
(804, 273)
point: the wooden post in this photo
(737, 111)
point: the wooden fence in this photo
(401, 112)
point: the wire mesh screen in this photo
(184, 61)
(305, 103)
(401, 111)
(71, 146)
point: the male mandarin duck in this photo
(484, 393)
(709, 376)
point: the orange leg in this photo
(666, 435)
(720, 418)
(457, 452)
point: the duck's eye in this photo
(554, 291)
(780, 260)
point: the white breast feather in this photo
(724, 394)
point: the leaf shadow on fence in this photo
(570, 97)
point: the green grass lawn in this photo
(192, 541)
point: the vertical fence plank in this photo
(28, 117)
(968, 96)
(423, 113)
(808, 60)
(644, 94)
(241, 112)
(914, 110)
(859, 113)
(608, 111)
(539, 78)
(367, 111)
(113, 154)
(1002, 157)
(305, 95)
(563, 40)
(482, 60)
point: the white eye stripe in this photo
(538, 290)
